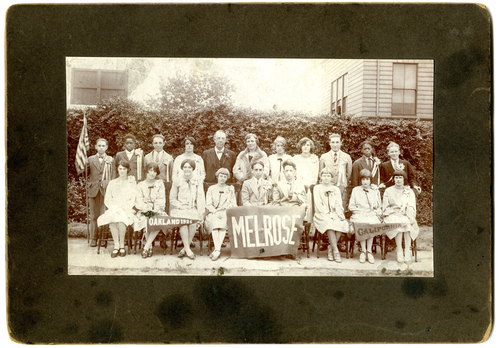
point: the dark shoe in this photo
(150, 252)
(144, 253)
(123, 252)
(93, 243)
(182, 253)
(103, 244)
(114, 253)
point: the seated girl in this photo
(150, 197)
(187, 200)
(328, 212)
(120, 201)
(399, 207)
(219, 198)
(366, 207)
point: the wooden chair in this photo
(104, 236)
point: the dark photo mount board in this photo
(46, 305)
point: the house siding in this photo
(370, 86)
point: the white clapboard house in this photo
(378, 88)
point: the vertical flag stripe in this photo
(83, 147)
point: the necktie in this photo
(157, 157)
(335, 158)
(368, 200)
(290, 193)
(220, 196)
(370, 163)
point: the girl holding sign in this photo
(328, 212)
(400, 207)
(366, 207)
(219, 198)
(187, 201)
(150, 197)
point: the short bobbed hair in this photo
(222, 171)
(191, 163)
(279, 140)
(124, 164)
(326, 170)
(365, 173)
(399, 172)
(303, 141)
(153, 166)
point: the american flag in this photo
(83, 147)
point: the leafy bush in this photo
(112, 119)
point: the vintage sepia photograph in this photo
(250, 167)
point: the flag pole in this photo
(86, 185)
(87, 204)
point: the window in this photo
(89, 86)
(339, 95)
(404, 89)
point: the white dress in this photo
(328, 210)
(187, 199)
(399, 207)
(120, 200)
(217, 201)
(150, 197)
(199, 171)
(364, 205)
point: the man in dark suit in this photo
(218, 157)
(388, 168)
(102, 170)
(134, 157)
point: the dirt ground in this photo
(83, 260)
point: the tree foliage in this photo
(187, 92)
(112, 119)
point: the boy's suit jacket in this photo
(359, 165)
(213, 164)
(386, 171)
(95, 181)
(252, 195)
(281, 193)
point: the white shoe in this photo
(407, 255)
(400, 254)
(330, 253)
(362, 257)
(370, 258)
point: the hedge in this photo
(112, 119)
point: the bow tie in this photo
(102, 156)
(220, 152)
(365, 190)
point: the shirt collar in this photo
(217, 150)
